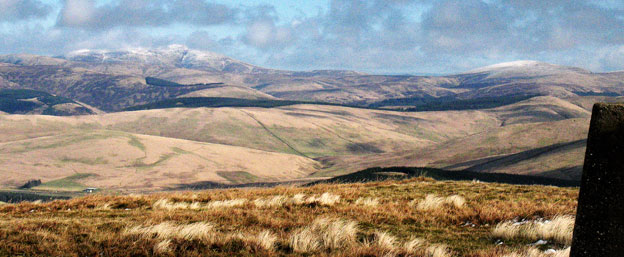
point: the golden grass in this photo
(433, 202)
(266, 239)
(385, 242)
(368, 201)
(325, 199)
(414, 245)
(559, 229)
(324, 234)
(325, 220)
(167, 230)
(163, 247)
(438, 250)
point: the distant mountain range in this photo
(115, 80)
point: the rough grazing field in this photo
(170, 148)
(415, 217)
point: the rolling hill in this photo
(169, 148)
(191, 109)
(116, 160)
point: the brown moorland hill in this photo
(187, 146)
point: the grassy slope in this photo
(120, 160)
(342, 139)
(96, 225)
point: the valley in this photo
(169, 118)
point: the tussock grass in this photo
(167, 204)
(368, 201)
(163, 247)
(326, 199)
(414, 245)
(433, 202)
(438, 250)
(167, 230)
(320, 220)
(455, 200)
(223, 204)
(266, 239)
(275, 201)
(201, 231)
(324, 234)
(385, 242)
(559, 229)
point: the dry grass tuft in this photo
(266, 240)
(433, 202)
(167, 230)
(385, 242)
(305, 241)
(326, 199)
(163, 247)
(166, 204)
(438, 250)
(298, 199)
(225, 204)
(275, 201)
(456, 201)
(559, 229)
(199, 231)
(414, 246)
(369, 202)
(324, 233)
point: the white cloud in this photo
(78, 12)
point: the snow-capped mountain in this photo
(178, 56)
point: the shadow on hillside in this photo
(214, 185)
(379, 174)
(500, 162)
(16, 196)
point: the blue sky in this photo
(375, 36)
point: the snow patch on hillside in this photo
(172, 55)
(525, 68)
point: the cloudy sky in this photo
(376, 36)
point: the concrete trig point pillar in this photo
(599, 227)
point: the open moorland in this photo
(172, 148)
(413, 217)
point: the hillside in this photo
(125, 161)
(414, 217)
(539, 136)
(114, 79)
(522, 117)
(196, 145)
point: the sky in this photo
(374, 36)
